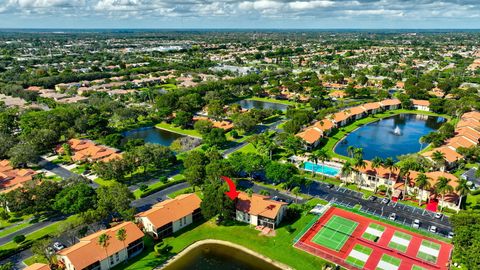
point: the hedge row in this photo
(168, 184)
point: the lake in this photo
(391, 137)
(257, 104)
(153, 135)
(218, 256)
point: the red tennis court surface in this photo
(409, 259)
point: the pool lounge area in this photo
(324, 169)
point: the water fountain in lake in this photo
(397, 131)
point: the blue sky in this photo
(240, 14)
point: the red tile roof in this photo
(258, 205)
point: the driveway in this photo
(405, 214)
(55, 168)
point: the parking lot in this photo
(405, 214)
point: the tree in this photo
(263, 144)
(244, 121)
(308, 184)
(18, 239)
(439, 159)
(391, 166)
(279, 172)
(215, 109)
(40, 248)
(183, 119)
(115, 199)
(104, 241)
(347, 169)
(216, 137)
(75, 198)
(462, 189)
(376, 163)
(466, 225)
(443, 187)
(121, 235)
(313, 158)
(296, 192)
(22, 154)
(423, 183)
(322, 156)
(215, 202)
(203, 126)
(358, 164)
(350, 151)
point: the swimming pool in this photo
(322, 169)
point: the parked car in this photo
(372, 198)
(392, 216)
(438, 215)
(450, 235)
(433, 229)
(385, 201)
(330, 186)
(416, 223)
(58, 246)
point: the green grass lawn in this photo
(103, 182)
(272, 100)
(14, 228)
(138, 193)
(278, 248)
(48, 230)
(248, 149)
(35, 259)
(172, 128)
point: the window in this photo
(111, 260)
(117, 257)
(185, 220)
(181, 223)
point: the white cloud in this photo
(305, 5)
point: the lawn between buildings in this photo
(331, 141)
(278, 248)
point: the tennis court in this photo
(335, 232)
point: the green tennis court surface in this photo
(335, 233)
(388, 263)
(400, 241)
(373, 232)
(416, 267)
(358, 256)
(428, 251)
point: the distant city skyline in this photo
(303, 14)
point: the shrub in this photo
(4, 215)
(162, 248)
(163, 179)
(153, 190)
(234, 134)
(143, 187)
(19, 238)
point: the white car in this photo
(58, 246)
(392, 216)
(416, 224)
(433, 229)
(450, 235)
(438, 215)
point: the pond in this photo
(257, 104)
(218, 256)
(390, 137)
(153, 135)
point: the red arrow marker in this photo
(232, 193)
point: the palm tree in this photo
(376, 163)
(347, 169)
(439, 159)
(358, 153)
(462, 189)
(308, 183)
(443, 187)
(405, 173)
(103, 241)
(391, 166)
(121, 235)
(350, 151)
(296, 192)
(359, 163)
(322, 156)
(313, 158)
(423, 183)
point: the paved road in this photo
(18, 259)
(55, 168)
(259, 129)
(405, 214)
(273, 192)
(143, 204)
(30, 229)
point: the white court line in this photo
(429, 251)
(358, 255)
(374, 231)
(400, 241)
(386, 266)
